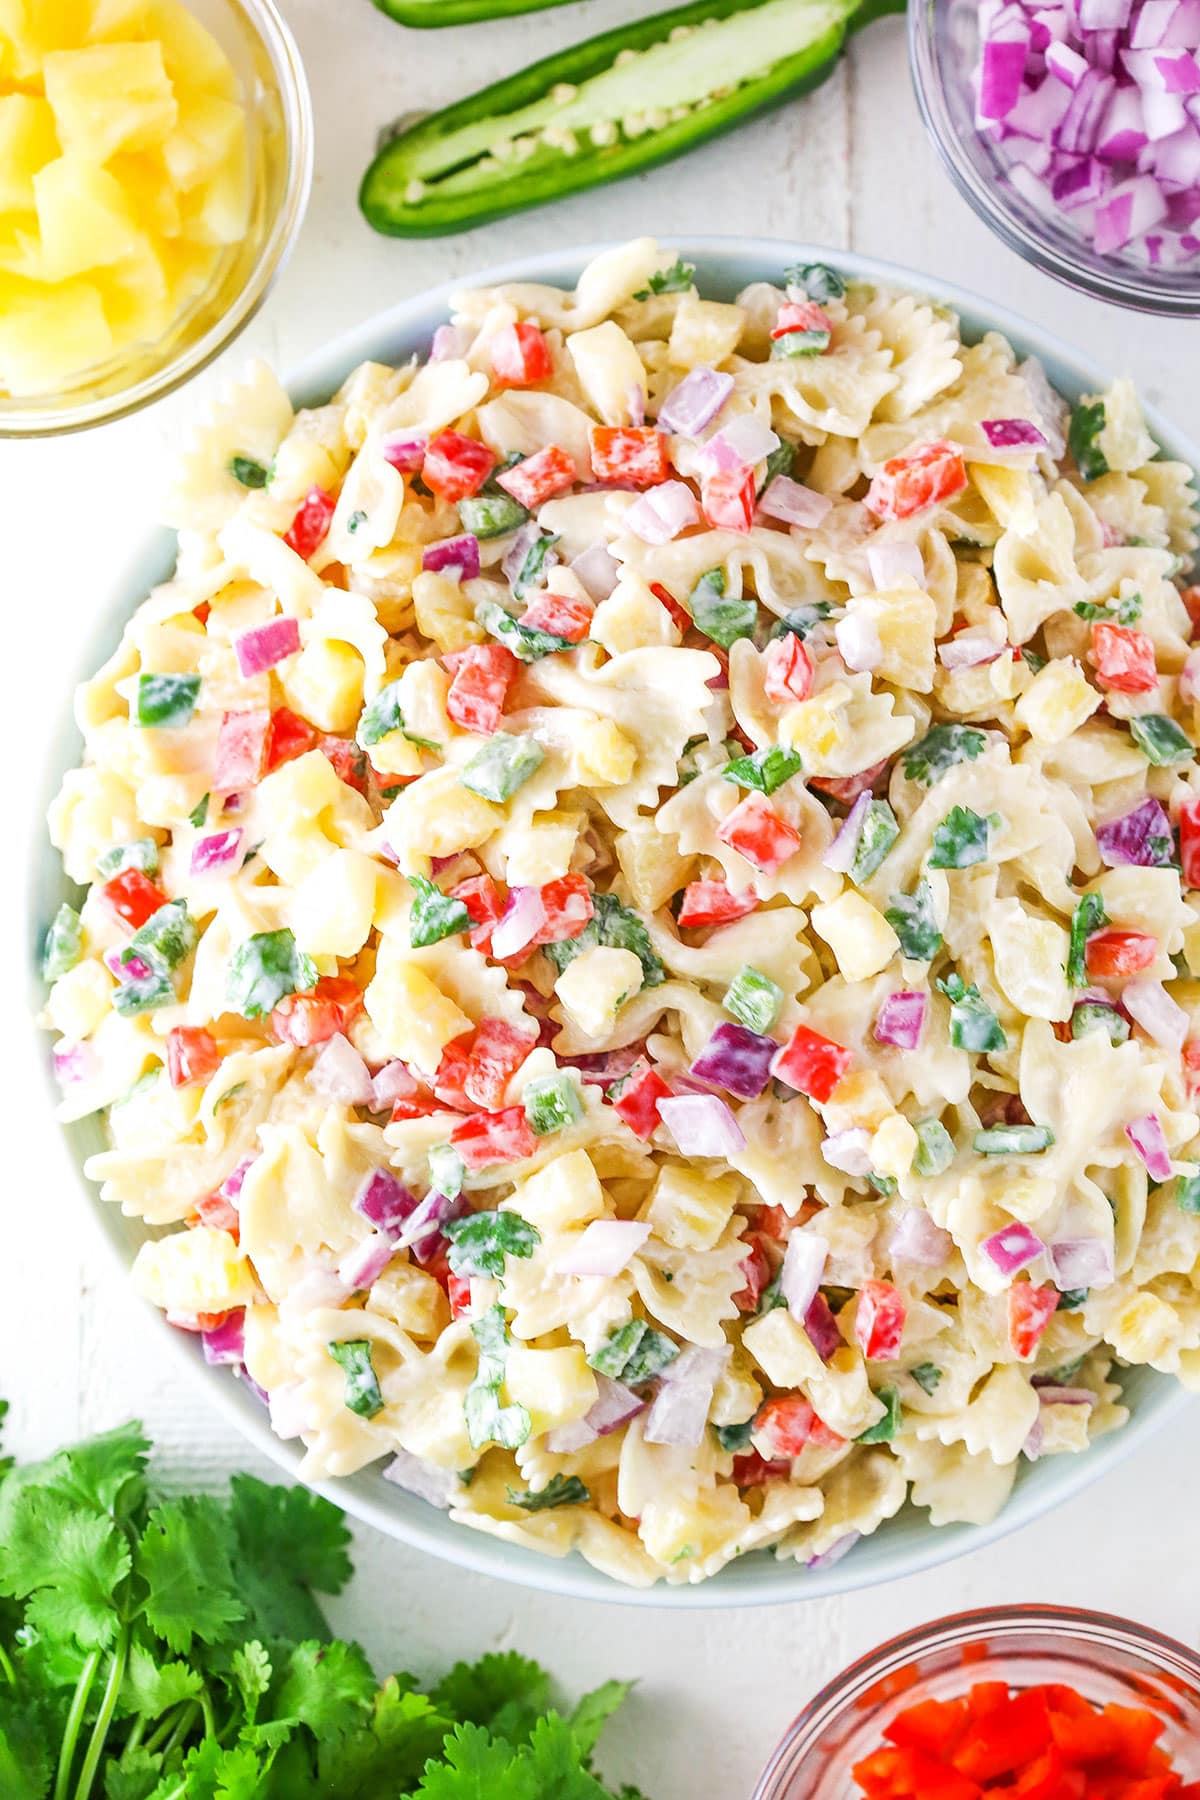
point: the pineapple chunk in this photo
(893, 1146)
(609, 370)
(652, 865)
(705, 331)
(693, 1528)
(782, 1349)
(632, 617)
(80, 1000)
(445, 613)
(85, 219)
(394, 754)
(154, 201)
(325, 684)
(859, 936)
(904, 623)
(20, 246)
(208, 132)
(413, 1017)
(542, 851)
(48, 334)
(27, 142)
(110, 97)
(689, 1209)
(1057, 702)
(193, 58)
(602, 754)
(555, 1387)
(198, 1271)
(333, 906)
(137, 299)
(592, 988)
(221, 209)
(33, 27)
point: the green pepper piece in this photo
(425, 13)
(441, 174)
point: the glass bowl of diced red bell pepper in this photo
(1025, 1702)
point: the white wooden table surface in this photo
(848, 166)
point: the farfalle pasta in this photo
(636, 919)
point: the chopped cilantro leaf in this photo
(676, 280)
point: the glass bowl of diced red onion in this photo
(1073, 129)
(1000, 1667)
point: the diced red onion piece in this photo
(604, 1247)
(1081, 1263)
(892, 564)
(263, 646)
(1146, 1136)
(1122, 136)
(289, 1412)
(1049, 408)
(613, 1407)
(133, 970)
(1051, 1395)
(1002, 71)
(900, 1019)
(450, 342)
(858, 641)
(231, 1188)
(71, 1063)
(226, 1343)
(1065, 64)
(916, 1239)
(803, 1266)
(404, 451)
(598, 571)
(969, 649)
(417, 1475)
(1132, 208)
(1137, 837)
(680, 1409)
(461, 553)
(742, 443)
(849, 1151)
(519, 923)
(822, 1328)
(835, 1552)
(1189, 676)
(844, 848)
(385, 1202)
(702, 1125)
(514, 557)
(1082, 119)
(217, 852)
(1012, 1248)
(422, 1234)
(1156, 1012)
(1013, 434)
(602, 1067)
(242, 1374)
(341, 1075)
(362, 1266)
(662, 512)
(736, 1059)
(1104, 15)
(395, 1081)
(695, 402)
(794, 504)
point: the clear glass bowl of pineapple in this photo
(155, 162)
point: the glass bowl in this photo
(280, 133)
(943, 41)
(1107, 1659)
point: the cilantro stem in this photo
(66, 1755)
(7, 1667)
(167, 1724)
(104, 1718)
(183, 1725)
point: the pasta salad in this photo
(640, 892)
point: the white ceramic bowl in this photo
(907, 1544)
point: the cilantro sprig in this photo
(174, 1649)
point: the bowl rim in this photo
(1055, 1620)
(759, 1579)
(22, 419)
(1118, 285)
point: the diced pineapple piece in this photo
(1057, 702)
(893, 1146)
(193, 58)
(860, 1100)
(414, 1018)
(208, 132)
(84, 217)
(333, 906)
(694, 1528)
(542, 851)
(1145, 1330)
(49, 334)
(782, 1349)
(817, 727)
(34, 27)
(110, 97)
(859, 936)
(602, 754)
(652, 865)
(437, 816)
(423, 688)
(20, 246)
(445, 613)
(188, 269)
(395, 754)
(412, 1298)
(154, 202)
(1009, 496)
(903, 622)
(593, 986)
(27, 142)
(631, 617)
(566, 1192)
(197, 1271)
(325, 684)
(610, 370)
(79, 1000)
(689, 1209)
(704, 331)
(218, 211)
(137, 300)
(556, 1387)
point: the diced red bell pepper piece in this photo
(755, 830)
(665, 597)
(241, 750)
(1114, 952)
(1007, 1739)
(727, 500)
(1190, 1055)
(788, 674)
(712, 903)
(935, 1726)
(756, 1267)
(879, 1320)
(986, 1697)
(417, 1108)
(456, 466)
(520, 355)
(750, 1469)
(1138, 1731)
(221, 1214)
(567, 904)
(917, 480)
(633, 453)
(887, 1774)
(811, 1063)
(290, 736)
(458, 1291)
(483, 675)
(1189, 840)
(636, 1099)
(489, 1138)
(1047, 1778)
(532, 482)
(481, 897)
(450, 1079)
(349, 762)
(1086, 1737)
(560, 614)
(310, 527)
(800, 315)
(1124, 659)
(847, 788)
(192, 1055)
(498, 1050)
(1030, 1310)
(326, 1010)
(785, 1423)
(1191, 599)
(133, 897)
